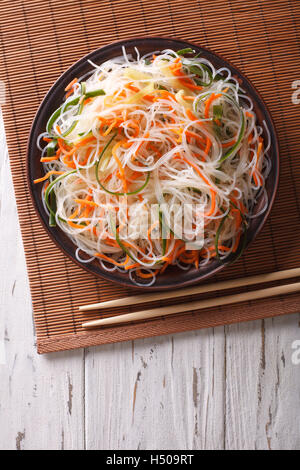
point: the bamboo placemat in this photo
(40, 39)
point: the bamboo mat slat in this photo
(41, 39)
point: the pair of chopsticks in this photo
(195, 305)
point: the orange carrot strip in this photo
(71, 84)
(191, 116)
(131, 87)
(52, 172)
(85, 202)
(48, 159)
(186, 81)
(229, 144)
(135, 265)
(208, 102)
(208, 145)
(113, 124)
(70, 92)
(72, 224)
(107, 258)
(146, 275)
(75, 213)
(85, 140)
(192, 134)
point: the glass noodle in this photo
(164, 130)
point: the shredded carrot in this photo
(178, 72)
(62, 146)
(208, 145)
(48, 159)
(191, 116)
(69, 93)
(146, 275)
(52, 172)
(130, 266)
(72, 224)
(131, 87)
(75, 213)
(208, 102)
(228, 144)
(113, 124)
(69, 86)
(196, 136)
(84, 202)
(107, 258)
(85, 140)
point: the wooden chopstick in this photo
(197, 305)
(138, 299)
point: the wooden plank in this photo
(262, 386)
(157, 393)
(41, 398)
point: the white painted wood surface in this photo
(232, 387)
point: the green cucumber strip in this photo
(235, 146)
(187, 50)
(126, 194)
(50, 188)
(241, 133)
(116, 235)
(72, 102)
(91, 94)
(57, 112)
(218, 235)
(217, 111)
(52, 220)
(72, 127)
(101, 155)
(237, 208)
(163, 231)
(111, 192)
(52, 202)
(199, 68)
(51, 148)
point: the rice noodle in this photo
(181, 142)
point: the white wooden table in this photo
(230, 387)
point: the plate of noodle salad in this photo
(153, 163)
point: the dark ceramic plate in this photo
(173, 276)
